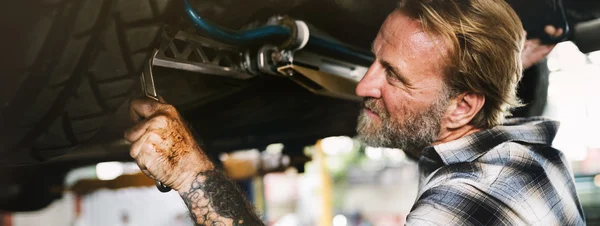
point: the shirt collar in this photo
(466, 149)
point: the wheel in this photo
(72, 63)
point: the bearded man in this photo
(442, 83)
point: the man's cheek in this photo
(368, 125)
(384, 112)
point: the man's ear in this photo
(463, 108)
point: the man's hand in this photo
(165, 150)
(163, 146)
(534, 50)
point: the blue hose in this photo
(338, 50)
(274, 33)
(238, 38)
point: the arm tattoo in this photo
(215, 200)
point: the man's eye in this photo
(392, 77)
(389, 73)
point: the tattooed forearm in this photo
(215, 200)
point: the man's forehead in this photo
(400, 21)
(401, 31)
(403, 35)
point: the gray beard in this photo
(412, 135)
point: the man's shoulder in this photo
(503, 158)
(514, 181)
(511, 172)
(530, 131)
(504, 162)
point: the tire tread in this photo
(82, 71)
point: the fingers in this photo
(143, 107)
(149, 142)
(552, 31)
(146, 154)
(162, 100)
(141, 162)
(559, 32)
(549, 29)
(136, 148)
(134, 133)
(144, 151)
(144, 170)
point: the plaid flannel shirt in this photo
(507, 175)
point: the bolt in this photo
(276, 56)
(170, 31)
(289, 72)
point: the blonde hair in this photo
(486, 39)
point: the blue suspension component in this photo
(239, 38)
(339, 51)
(275, 33)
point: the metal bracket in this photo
(321, 83)
(270, 58)
(194, 53)
(318, 74)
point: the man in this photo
(443, 80)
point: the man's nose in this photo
(370, 84)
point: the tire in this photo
(73, 63)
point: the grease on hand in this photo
(177, 142)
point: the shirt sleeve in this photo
(460, 203)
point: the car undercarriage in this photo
(243, 74)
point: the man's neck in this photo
(455, 134)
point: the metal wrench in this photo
(150, 91)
